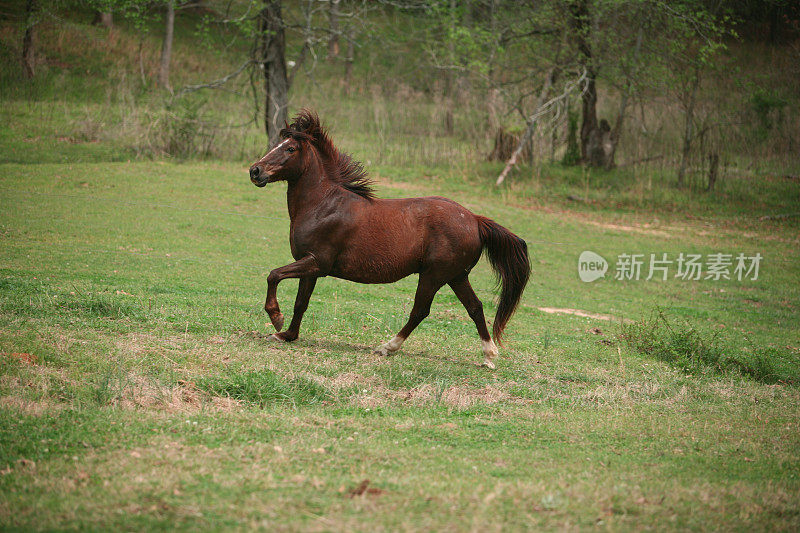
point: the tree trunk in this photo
(273, 62)
(103, 19)
(449, 81)
(589, 134)
(550, 78)
(348, 62)
(572, 156)
(333, 39)
(505, 144)
(29, 39)
(493, 94)
(688, 128)
(492, 103)
(581, 24)
(616, 132)
(308, 34)
(166, 46)
(713, 167)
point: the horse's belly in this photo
(374, 268)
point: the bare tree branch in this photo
(541, 108)
(216, 83)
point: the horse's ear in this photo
(286, 123)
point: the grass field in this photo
(138, 391)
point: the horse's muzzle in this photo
(258, 177)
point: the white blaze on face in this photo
(270, 152)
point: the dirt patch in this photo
(126, 392)
(23, 357)
(463, 397)
(583, 314)
(644, 229)
(633, 393)
(30, 407)
(455, 396)
(184, 397)
(141, 343)
(349, 379)
(363, 488)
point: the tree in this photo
(333, 38)
(591, 134)
(698, 37)
(598, 138)
(267, 27)
(103, 18)
(166, 47)
(349, 59)
(29, 38)
(272, 60)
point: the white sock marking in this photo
(390, 347)
(489, 351)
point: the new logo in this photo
(591, 266)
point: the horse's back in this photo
(431, 217)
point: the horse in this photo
(339, 228)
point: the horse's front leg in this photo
(304, 291)
(306, 267)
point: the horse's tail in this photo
(508, 255)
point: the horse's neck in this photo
(308, 190)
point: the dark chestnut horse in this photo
(338, 228)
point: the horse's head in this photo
(283, 162)
(286, 160)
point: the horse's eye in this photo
(290, 149)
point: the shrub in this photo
(694, 352)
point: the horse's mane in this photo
(343, 169)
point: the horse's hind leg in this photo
(474, 307)
(426, 290)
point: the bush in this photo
(767, 107)
(573, 154)
(184, 134)
(693, 352)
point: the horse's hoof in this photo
(383, 351)
(283, 336)
(277, 322)
(390, 347)
(488, 364)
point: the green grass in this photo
(138, 390)
(155, 400)
(686, 348)
(263, 387)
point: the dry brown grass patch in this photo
(30, 407)
(184, 397)
(456, 396)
